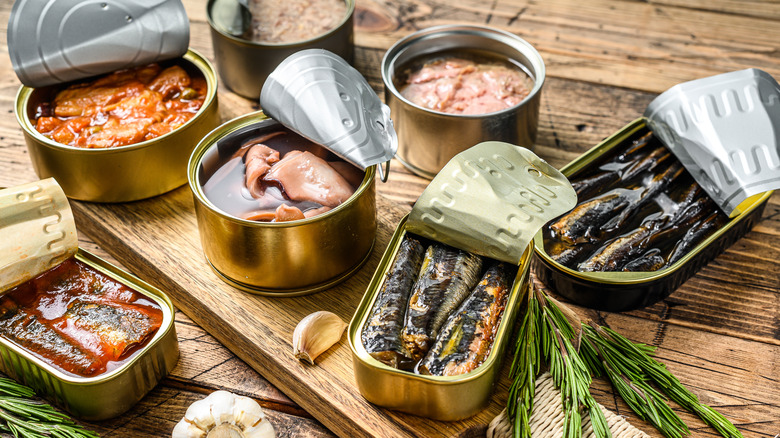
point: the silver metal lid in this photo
(725, 130)
(321, 97)
(55, 41)
(491, 200)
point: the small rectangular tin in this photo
(112, 393)
(441, 398)
(619, 291)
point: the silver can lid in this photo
(321, 97)
(55, 41)
(725, 129)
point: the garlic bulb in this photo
(224, 415)
(315, 334)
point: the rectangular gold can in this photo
(114, 392)
(441, 398)
(619, 291)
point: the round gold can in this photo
(125, 173)
(280, 258)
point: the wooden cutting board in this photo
(158, 239)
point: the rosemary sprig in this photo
(26, 418)
(568, 371)
(525, 368)
(640, 355)
(630, 383)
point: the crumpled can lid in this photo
(491, 200)
(55, 41)
(725, 129)
(320, 96)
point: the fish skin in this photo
(695, 235)
(446, 277)
(649, 261)
(381, 335)
(119, 328)
(29, 332)
(577, 225)
(467, 336)
(611, 257)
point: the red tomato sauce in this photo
(78, 320)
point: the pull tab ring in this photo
(384, 173)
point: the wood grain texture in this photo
(606, 60)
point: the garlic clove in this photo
(224, 415)
(316, 333)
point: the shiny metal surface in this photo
(110, 394)
(125, 173)
(284, 258)
(428, 139)
(244, 65)
(440, 398)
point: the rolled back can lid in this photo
(491, 200)
(55, 41)
(725, 130)
(321, 97)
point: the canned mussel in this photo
(642, 226)
(119, 123)
(79, 331)
(430, 332)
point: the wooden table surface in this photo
(606, 60)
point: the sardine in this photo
(649, 261)
(446, 277)
(657, 185)
(577, 226)
(611, 257)
(382, 333)
(119, 328)
(695, 235)
(29, 332)
(466, 338)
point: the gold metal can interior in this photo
(111, 174)
(112, 393)
(217, 228)
(445, 398)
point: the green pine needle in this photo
(524, 370)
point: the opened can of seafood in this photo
(642, 227)
(429, 334)
(260, 243)
(453, 86)
(287, 205)
(113, 110)
(252, 37)
(97, 157)
(84, 334)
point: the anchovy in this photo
(466, 338)
(119, 328)
(28, 332)
(382, 333)
(446, 277)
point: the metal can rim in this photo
(128, 280)
(226, 129)
(192, 56)
(631, 278)
(350, 12)
(511, 40)
(363, 311)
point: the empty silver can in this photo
(428, 139)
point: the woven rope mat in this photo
(547, 417)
